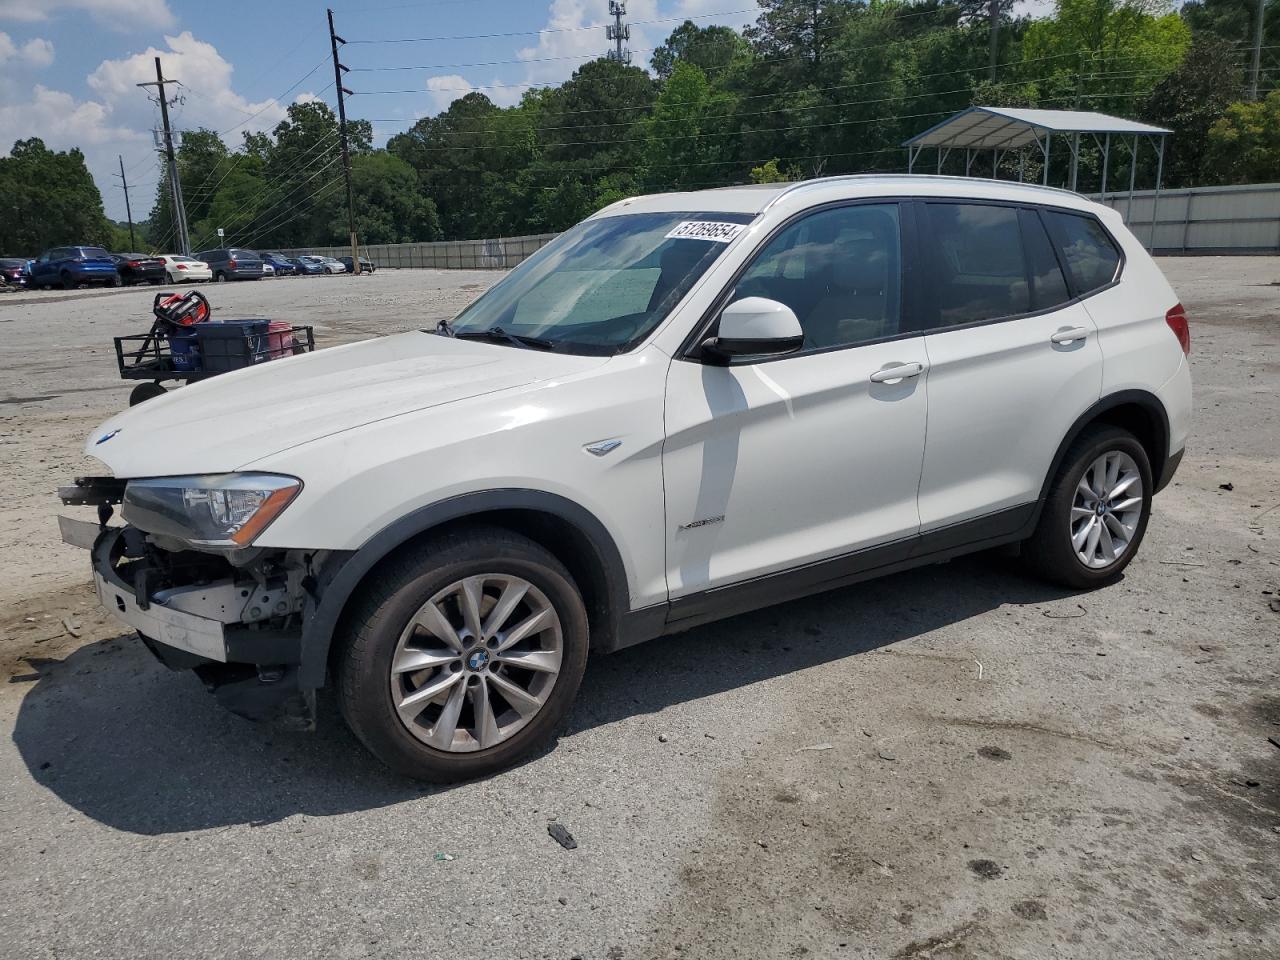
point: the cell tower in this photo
(618, 32)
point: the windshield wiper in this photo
(497, 334)
(444, 328)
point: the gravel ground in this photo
(955, 762)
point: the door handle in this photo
(897, 372)
(1070, 335)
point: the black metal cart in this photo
(151, 357)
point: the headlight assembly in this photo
(218, 510)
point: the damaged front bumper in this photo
(239, 629)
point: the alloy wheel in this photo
(476, 663)
(1106, 510)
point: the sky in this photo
(69, 69)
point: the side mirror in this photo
(754, 327)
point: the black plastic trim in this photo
(343, 573)
(1011, 525)
(1170, 467)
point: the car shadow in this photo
(141, 749)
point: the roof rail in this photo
(802, 184)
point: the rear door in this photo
(1013, 361)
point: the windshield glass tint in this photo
(603, 286)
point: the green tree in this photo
(48, 198)
(710, 48)
(1189, 101)
(1101, 53)
(390, 205)
(1244, 144)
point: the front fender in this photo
(344, 570)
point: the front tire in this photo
(1096, 513)
(144, 392)
(464, 656)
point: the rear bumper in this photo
(1170, 468)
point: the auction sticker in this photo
(706, 230)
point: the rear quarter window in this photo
(1090, 255)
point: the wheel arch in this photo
(568, 530)
(1138, 411)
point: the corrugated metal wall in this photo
(499, 254)
(1244, 219)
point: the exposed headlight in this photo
(220, 510)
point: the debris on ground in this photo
(72, 625)
(816, 746)
(663, 738)
(994, 753)
(886, 753)
(443, 857)
(1052, 615)
(24, 678)
(986, 869)
(562, 836)
(1226, 486)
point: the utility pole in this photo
(133, 244)
(618, 32)
(1257, 51)
(175, 184)
(338, 70)
(993, 14)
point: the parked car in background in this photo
(268, 270)
(13, 271)
(366, 265)
(314, 264)
(687, 407)
(70, 267)
(181, 269)
(232, 263)
(139, 268)
(284, 266)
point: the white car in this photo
(686, 407)
(267, 270)
(180, 269)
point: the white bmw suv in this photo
(686, 407)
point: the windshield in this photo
(604, 285)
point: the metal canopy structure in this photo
(1003, 130)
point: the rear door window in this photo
(1086, 248)
(977, 266)
(1048, 285)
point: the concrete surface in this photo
(956, 762)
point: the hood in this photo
(234, 419)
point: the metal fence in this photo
(1209, 220)
(499, 254)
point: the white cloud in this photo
(36, 52)
(117, 118)
(446, 88)
(119, 14)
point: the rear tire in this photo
(443, 739)
(1065, 549)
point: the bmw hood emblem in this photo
(105, 437)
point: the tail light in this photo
(181, 266)
(135, 263)
(231, 263)
(1176, 318)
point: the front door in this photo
(781, 463)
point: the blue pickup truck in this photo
(70, 267)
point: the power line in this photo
(535, 33)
